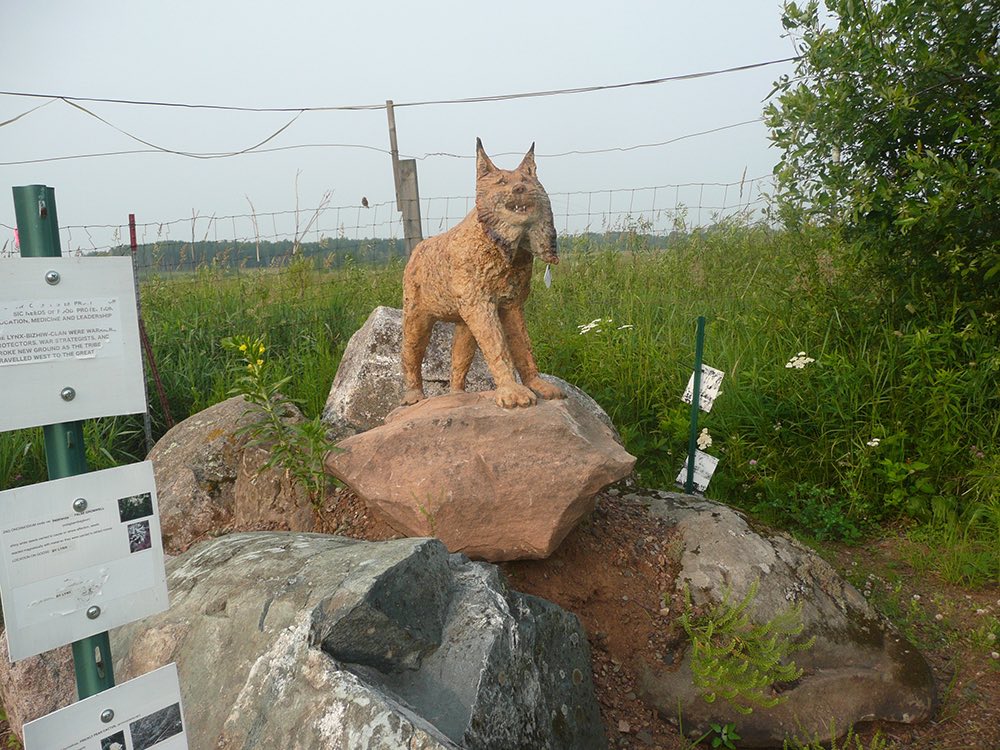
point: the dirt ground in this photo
(616, 572)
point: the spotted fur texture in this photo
(478, 275)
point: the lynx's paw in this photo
(412, 396)
(545, 389)
(513, 395)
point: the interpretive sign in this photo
(704, 468)
(79, 556)
(141, 714)
(709, 390)
(69, 341)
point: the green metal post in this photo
(699, 347)
(65, 453)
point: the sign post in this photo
(65, 452)
(695, 404)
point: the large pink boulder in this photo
(496, 484)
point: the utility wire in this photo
(190, 154)
(25, 114)
(432, 154)
(432, 102)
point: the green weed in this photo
(740, 660)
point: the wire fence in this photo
(372, 233)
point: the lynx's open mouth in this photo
(520, 208)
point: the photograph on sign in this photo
(709, 389)
(79, 556)
(704, 468)
(69, 341)
(145, 714)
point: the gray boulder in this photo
(306, 641)
(858, 669)
(369, 381)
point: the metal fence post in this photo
(695, 404)
(65, 452)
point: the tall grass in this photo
(896, 420)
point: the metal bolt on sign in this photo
(67, 393)
(52, 278)
(93, 612)
(80, 504)
(107, 715)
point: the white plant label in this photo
(79, 556)
(709, 390)
(548, 277)
(141, 714)
(69, 341)
(704, 468)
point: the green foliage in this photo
(887, 127)
(297, 447)
(850, 741)
(818, 512)
(898, 417)
(738, 659)
(8, 737)
(720, 735)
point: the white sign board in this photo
(79, 556)
(704, 468)
(709, 388)
(68, 323)
(141, 714)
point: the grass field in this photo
(890, 422)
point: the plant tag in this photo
(704, 468)
(548, 276)
(136, 715)
(711, 388)
(79, 556)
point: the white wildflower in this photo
(624, 327)
(590, 326)
(916, 597)
(873, 443)
(704, 439)
(939, 617)
(995, 655)
(799, 361)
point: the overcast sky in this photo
(301, 53)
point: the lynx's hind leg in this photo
(463, 349)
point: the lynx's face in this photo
(514, 208)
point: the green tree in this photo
(888, 130)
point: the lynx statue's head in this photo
(513, 207)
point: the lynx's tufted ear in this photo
(483, 164)
(528, 162)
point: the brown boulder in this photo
(208, 479)
(36, 686)
(495, 484)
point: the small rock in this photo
(644, 736)
(623, 726)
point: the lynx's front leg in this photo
(416, 335)
(520, 347)
(483, 320)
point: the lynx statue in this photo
(478, 275)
